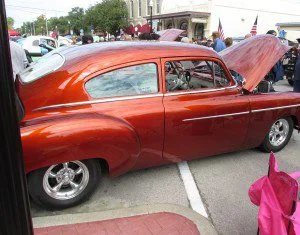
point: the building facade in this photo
(201, 17)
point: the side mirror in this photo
(241, 81)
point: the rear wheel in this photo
(64, 185)
(278, 136)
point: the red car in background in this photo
(131, 105)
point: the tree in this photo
(26, 27)
(76, 17)
(10, 22)
(40, 25)
(109, 15)
(60, 24)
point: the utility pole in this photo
(69, 27)
(33, 28)
(151, 12)
(47, 33)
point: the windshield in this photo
(45, 65)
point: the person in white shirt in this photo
(18, 58)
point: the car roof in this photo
(33, 37)
(114, 53)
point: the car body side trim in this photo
(200, 91)
(67, 105)
(280, 107)
(216, 116)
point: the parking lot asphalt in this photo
(223, 182)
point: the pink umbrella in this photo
(276, 195)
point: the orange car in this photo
(131, 105)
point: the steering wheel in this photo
(176, 83)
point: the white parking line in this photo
(191, 189)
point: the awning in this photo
(191, 14)
(199, 20)
(13, 33)
(145, 28)
(130, 30)
(137, 28)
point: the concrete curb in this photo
(204, 226)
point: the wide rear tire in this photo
(64, 185)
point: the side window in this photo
(48, 42)
(221, 79)
(35, 43)
(197, 74)
(133, 80)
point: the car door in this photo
(205, 113)
(132, 94)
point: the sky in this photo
(29, 10)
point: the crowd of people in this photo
(214, 42)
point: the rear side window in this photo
(42, 67)
(133, 80)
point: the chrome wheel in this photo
(279, 132)
(67, 180)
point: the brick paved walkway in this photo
(159, 223)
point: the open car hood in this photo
(254, 57)
(169, 34)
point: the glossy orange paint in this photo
(254, 57)
(63, 123)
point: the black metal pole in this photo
(15, 216)
(151, 30)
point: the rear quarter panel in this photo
(66, 137)
(266, 109)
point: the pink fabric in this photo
(275, 194)
(169, 34)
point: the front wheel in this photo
(278, 136)
(64, 185)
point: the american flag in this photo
(254, 28)
(220, 31)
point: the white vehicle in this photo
(63, 41)
(32, 45)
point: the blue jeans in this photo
(297, 85)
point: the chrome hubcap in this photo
(279, 132)
(65, 181)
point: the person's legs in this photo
(297, 85)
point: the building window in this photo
(199, 31)
(140, 7)
(157, 6)
(131, 8)
(184, 25)
(169, 25)
(149, 7)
